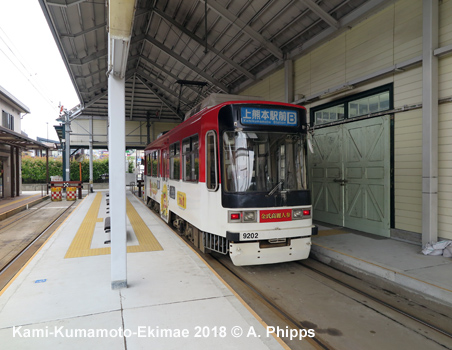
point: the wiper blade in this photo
(278, 185)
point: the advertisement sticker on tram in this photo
(275, 215)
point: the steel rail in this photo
(29, 245)
(373, 298)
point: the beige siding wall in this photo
(445, 147)
(327, 65)
(302, 76)
(366, 56)
(408, 125)
(408, 152)
(270, 88)
(408, 170)
(392, 36)
(445, 125)
(407, 29)
(445, 23)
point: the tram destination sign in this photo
(268, 116)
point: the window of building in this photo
(330, 114)
(175, 161)
(190, 156)
(368, 105)
(7, 120)
(363, 104)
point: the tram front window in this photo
(259, 161)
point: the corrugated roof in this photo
(12, 138)
(230, 44)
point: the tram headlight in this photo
(249, 216)
(298, 214)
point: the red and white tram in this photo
(232, 178)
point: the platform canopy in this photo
(12, 138)
(169, 47)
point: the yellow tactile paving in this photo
(81, 244)
(145, 237)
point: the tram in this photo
(232, 179)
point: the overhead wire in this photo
(13, 55)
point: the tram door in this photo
(164, 200)
(350, 175)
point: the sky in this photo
(31, 67)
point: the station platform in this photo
(12, 205)
(397, 266)
(62, 299)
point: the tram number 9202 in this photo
(250, 235)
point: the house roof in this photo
(8, 97)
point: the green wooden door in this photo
(325, 165)
(350, 175)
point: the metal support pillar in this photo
(47, 170)
(18, 171)
(117, 173)
(148, 128)
(13, 170)
(429, 123)
(67, 137)
(288, 81)
(91, 137)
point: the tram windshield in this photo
(263, 162)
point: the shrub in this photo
(34, 169)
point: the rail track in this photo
(437, 321)
(282, 296)
(439, 324)
(21, 255)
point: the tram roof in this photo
(246, 40)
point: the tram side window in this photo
(211, 161)
(190, 156)
(175, 161)
(148, 165)
(155, 163)
(165, 167)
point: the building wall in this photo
(445, 125)
(136, 133)
(5, 150)
(4, 106)
(270, 88)
(392, 36)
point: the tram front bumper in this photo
(251, 253)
